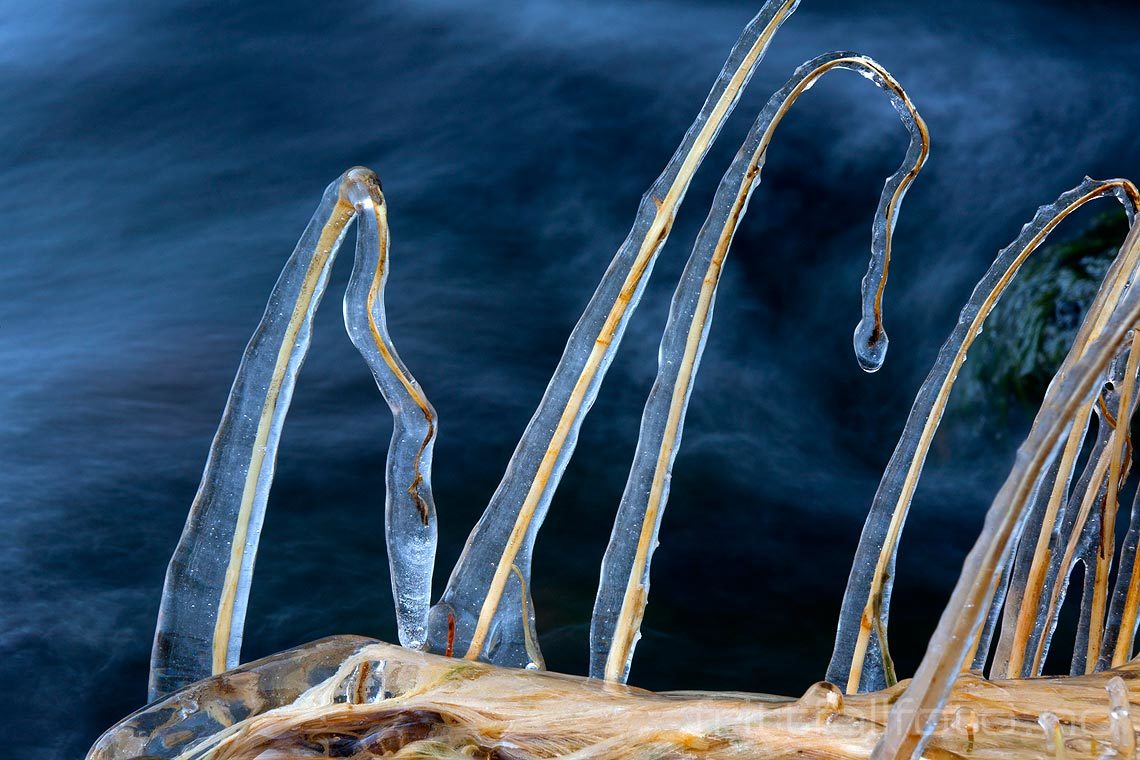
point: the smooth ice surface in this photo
(624, 587)
(208, 581)
(485, 612)
(860, 660)
(915, 715)
(409, 509)
(1039, 527)
(173, 724)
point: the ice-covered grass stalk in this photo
(917, 712)
(357, 698)
(207, 584)
(624, 587)
(863, 620)
(350, 697)
(481, 613)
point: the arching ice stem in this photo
(1035, 597)
(1077, 528)
(1102, 539)
(624, 586)
(866, 602)
(202, 614)
(916, 714)
(1120, 632)
(409, 508)
(482, 613)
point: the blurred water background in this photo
(159, 160)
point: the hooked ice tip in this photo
(870, 346)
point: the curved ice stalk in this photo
(866, 602)
(207, 583)
(1120, 631)
(624, 586)
(1078, 531)
(1037, 603)
(1094, 531)
(1018, 570)
(409, 510)
(917, 712)
(1032, 612)
(1072, 533)
(1093, 622)
(1060, 519)
(202, 614)
(481, 613)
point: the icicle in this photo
(1082, 374)
(866, 602)
(202, 614)
(966, 721)
(624, 586)
(1094, 621)
(1074, 516)
(1119, 721)
(409, 510)
(1079, 532)
(1054, 739)
(1120, 632)
(479, 597)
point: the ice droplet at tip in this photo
(870, 345)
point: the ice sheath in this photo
(860, 660)
(485, 612)
(204, 599)
(1044, 522)
(916, 715)
(624, 587)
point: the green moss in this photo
(1030, 331)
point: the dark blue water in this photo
(158, 161)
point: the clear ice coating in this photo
(409, 509)
(208, 581)
(349, 697)
(1056, 511)
(1120, 628)
(1120, 721)
(1069, 532)
(1107, 324)
(624, 587)
(485, 611)
(861, 660)
(173, 724)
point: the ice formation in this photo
(863, 621)
(459, 686)
(482, 610)
(624, 585)
(207, 584)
